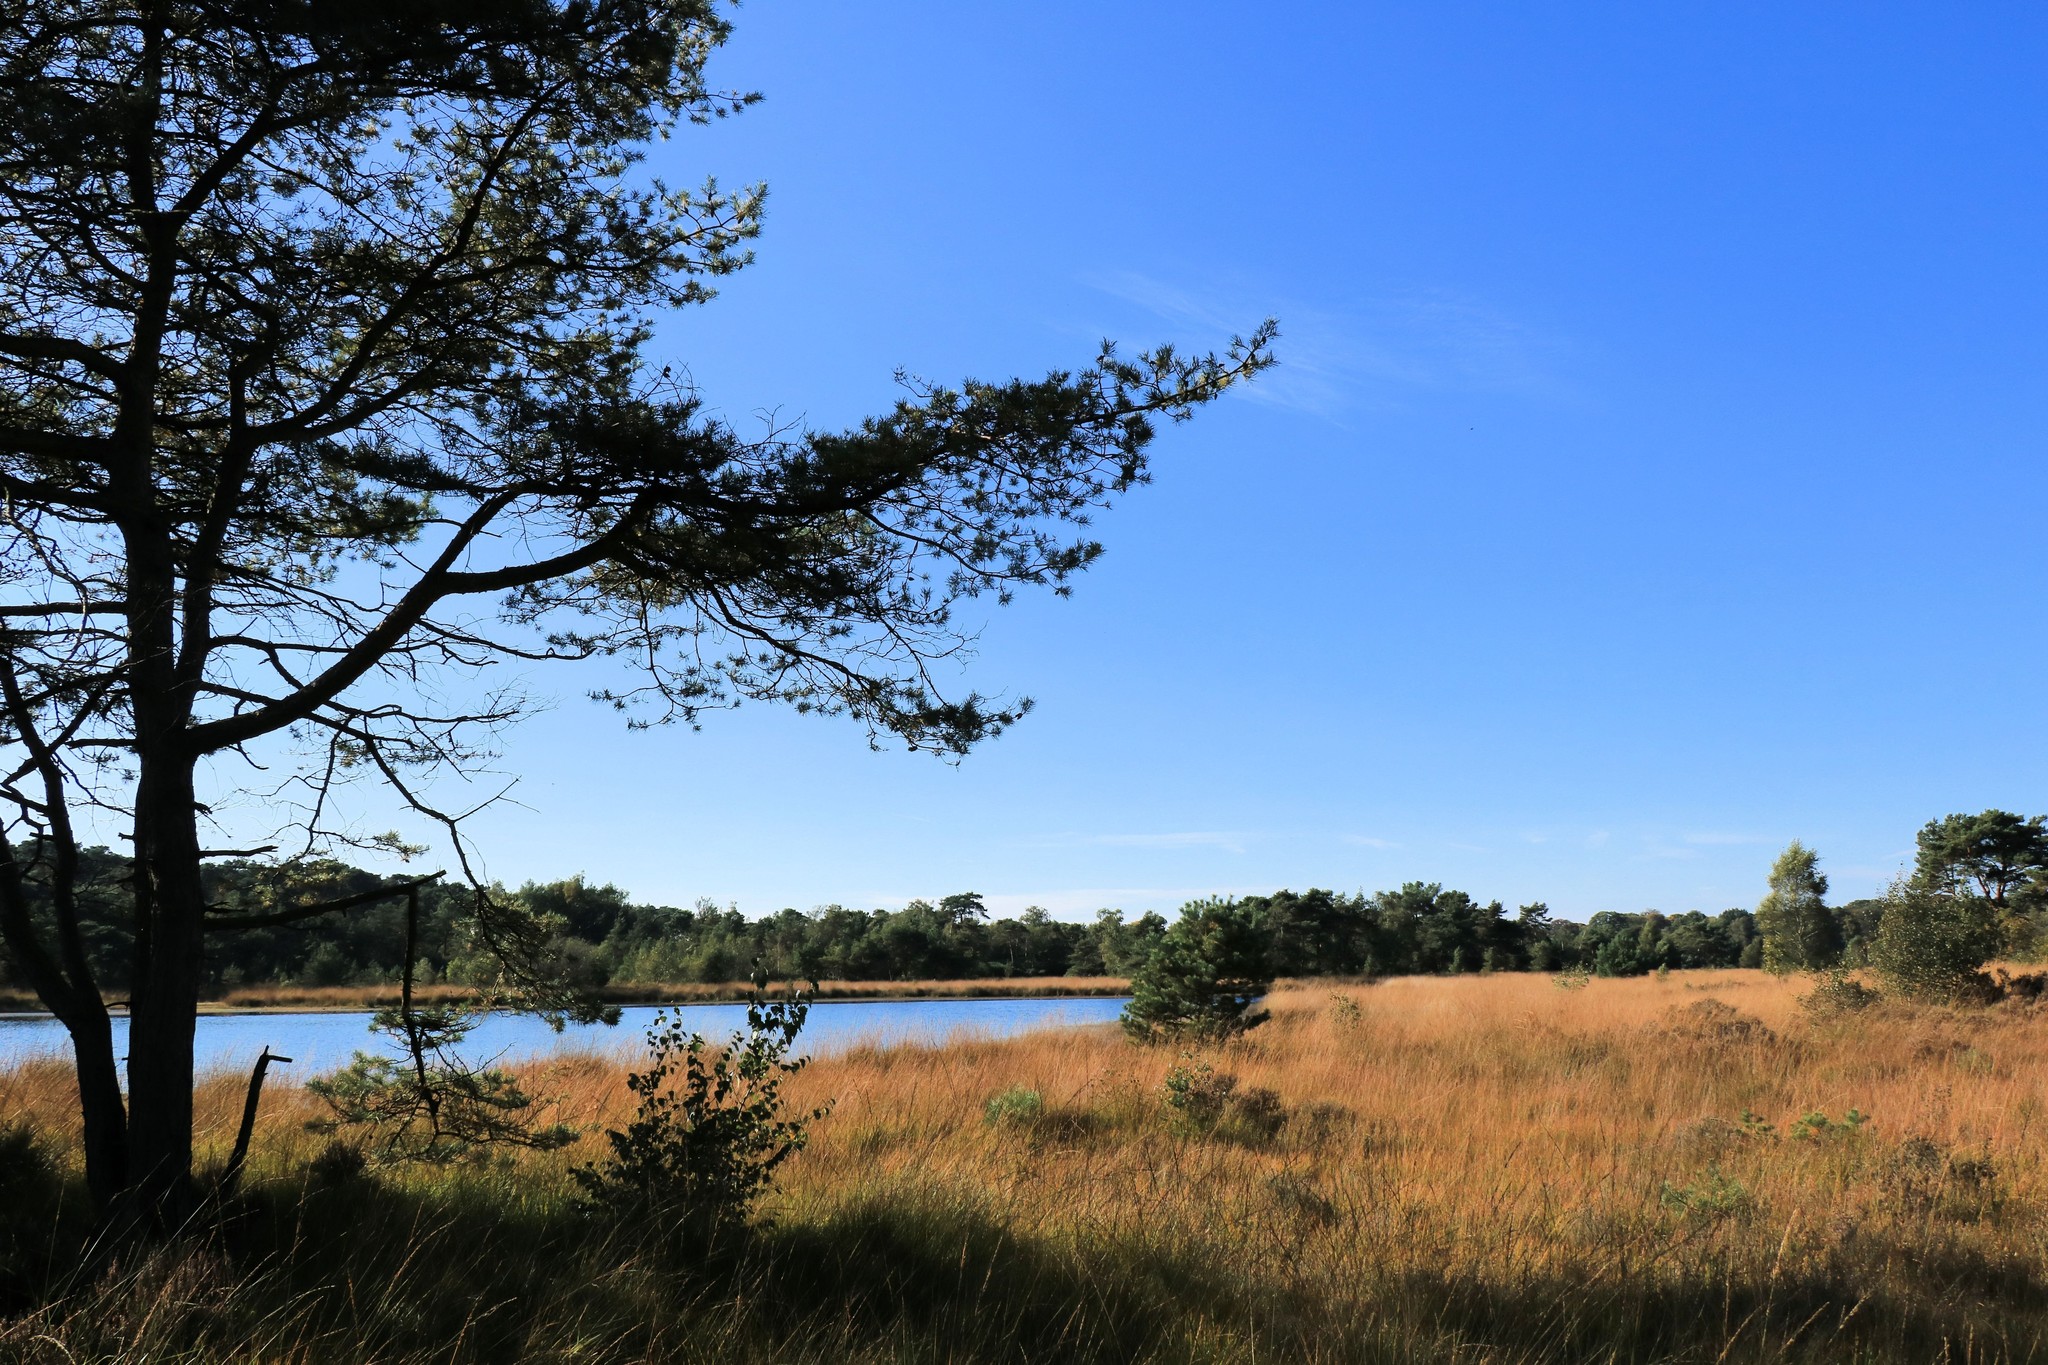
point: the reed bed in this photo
(1482, 1169)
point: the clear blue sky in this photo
(1654, 473)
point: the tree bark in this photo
(170, 903)
(101, 1106)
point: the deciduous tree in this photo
(1798, 933)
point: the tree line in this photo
(598, 935)
(1991, 869)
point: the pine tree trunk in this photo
(169, 904)
(101, 1106)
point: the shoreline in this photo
(362, 999)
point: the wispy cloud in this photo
(1716, 839)
(1368, 841)
(1371, 354)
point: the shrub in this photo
(1712, 1021)
(31, 1189)
(1345, 1013)
(712, 1126)
(1198, 1093)
(1204, 1100)
(1837, 992)
(1930, 943)
(1203, 978)
(1708, 1199)
(1017, 1105)
(1818, 1127)
(1922, 1175)
(337, 1164)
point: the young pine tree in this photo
(1203, 978)
(1798, 933)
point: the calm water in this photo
(322, 1042)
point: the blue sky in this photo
(1653, 474)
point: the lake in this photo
(323, 1042)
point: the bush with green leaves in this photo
(1204, 978)
(1204, 1100)
(712, 1127)
(1931, 942)
(1708, 1199)
(1798, 932)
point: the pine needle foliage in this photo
(1204, 978)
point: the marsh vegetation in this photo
(1703, 1166)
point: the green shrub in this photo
(1197, 1093)
(1837, 992)
(1204, 1100)
(712, 1125)
(1708, 1199)
(1818, 1127)
(1931, 943)
(1017, 1105)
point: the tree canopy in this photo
(325, 388)
(1798, 933)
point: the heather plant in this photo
(1197, 1093)
(1206, 1101)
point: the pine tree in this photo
(1205, 976)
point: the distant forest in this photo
(601, 936)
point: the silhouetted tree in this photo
(323, 386)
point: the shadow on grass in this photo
(477, 1268)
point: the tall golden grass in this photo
(1482, 1168)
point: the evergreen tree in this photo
(1205, 976)
(325, 389)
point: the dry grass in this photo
(1473, 1169)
